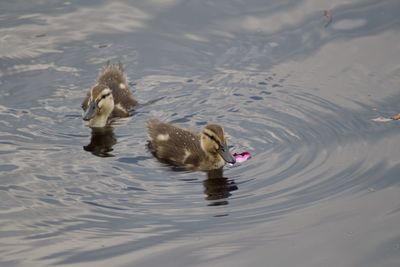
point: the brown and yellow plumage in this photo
(112, 77)
(180, 147)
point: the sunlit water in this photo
(296, 89)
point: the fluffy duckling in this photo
(110, 97)
(205, 151)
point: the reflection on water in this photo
(102, 141)
(218, 188)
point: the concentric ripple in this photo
(297, 140)
(69, 179)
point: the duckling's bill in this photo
(90, 111)
(226, 155)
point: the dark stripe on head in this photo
(212, 138)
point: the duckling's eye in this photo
(104, 96)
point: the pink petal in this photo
(242, 157)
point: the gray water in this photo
(296, 88)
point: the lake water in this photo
(296, 83)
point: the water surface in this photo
(295, 88)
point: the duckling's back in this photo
(114, 77)
(174, 145)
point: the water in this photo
(296, 89)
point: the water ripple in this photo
(72, 195)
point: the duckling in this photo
(204, 151)
(110, 97)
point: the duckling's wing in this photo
(126, 101)
(119, 111)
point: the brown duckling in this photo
(110, 97)
(203, 151)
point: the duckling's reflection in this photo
(218, 188)
(101, 142)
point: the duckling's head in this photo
(212, 141)
(100, 106)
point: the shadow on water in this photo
(102, 141)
